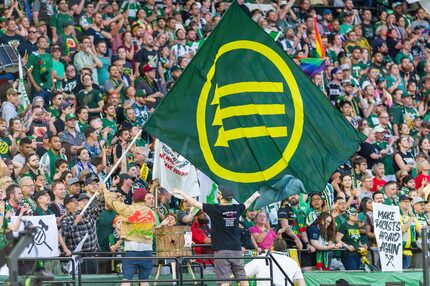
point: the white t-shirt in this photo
(259, 268)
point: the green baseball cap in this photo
(141, 93)
(71, 116)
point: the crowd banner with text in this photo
(174, 171)
(388, 234)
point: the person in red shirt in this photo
(423, 177)
(378, 172)
(201, 235)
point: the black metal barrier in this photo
(101, 258)
(66, 278)
(205, 257)
(77, 278)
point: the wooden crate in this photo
(170, 241)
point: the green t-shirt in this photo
(5, 144)
(59, 69)
(351, 234)
(387, 160)
(357, 68)
(341, 219)
(42, 65)
(60, 21)
(402, 55)
(89, 98)
(345, 29)
(105, 228)
(391, 80)
(54, 111)
(82, 126)
(112, 124)
(405, 115)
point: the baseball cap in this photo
(83, 196)
(405, 94)
(90, 179)
(345, 67)
(39, 194)
(380, 79)
(141, 93)
(379, 129)
(41, 23)
(69, 199)
(327, 12)
(226, 193)
(397, 4)
(333, 71)
(71, 116)
(346, 82)
(89, 130)
(176, 68)
(147, 68)
(404, 198)
(73, 181)
(63, 105)
(418, 200)
(12, 91)
(54, 48)
(351, 211)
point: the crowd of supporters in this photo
(95, 70)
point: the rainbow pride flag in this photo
(319, 44)
(312, 66)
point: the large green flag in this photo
(246, 115)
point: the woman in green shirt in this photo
(348, 236)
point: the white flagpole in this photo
(112, 170)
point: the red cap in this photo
(147, 68)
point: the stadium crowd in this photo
(95, 71)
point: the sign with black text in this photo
(388, 236)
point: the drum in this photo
(8, 59)
(171, 241)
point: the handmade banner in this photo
(174, 171)
(388, 236)
(208, 189)
(45, 239)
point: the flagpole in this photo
(112, 170)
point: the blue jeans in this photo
(142, 266)
(406, 262)
(351, 260)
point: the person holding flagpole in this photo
(225, 232)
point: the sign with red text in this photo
(174, 171)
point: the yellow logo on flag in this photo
(225, 137)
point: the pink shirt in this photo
(268, 239)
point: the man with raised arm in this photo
(225, 233)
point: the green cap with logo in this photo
(71, 116)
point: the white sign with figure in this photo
(45, 239)
(388, 232)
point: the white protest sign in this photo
(388, 234)
(45, 239)
(174, 171)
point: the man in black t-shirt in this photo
(225, 232)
